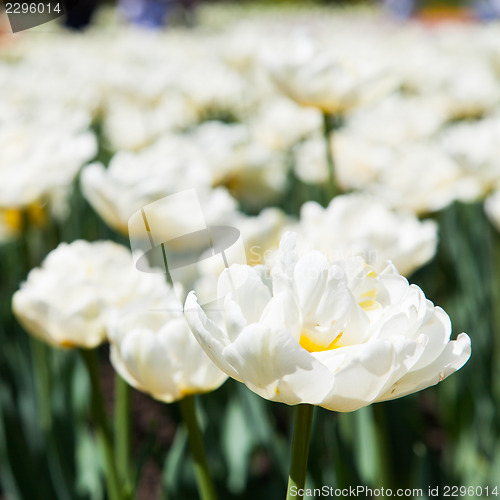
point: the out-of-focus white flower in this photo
(134, 180)
(417, 177)
(337, 335)
(472, 94)
(213, 88)
(253, 172)
(332, 81)
(397, 120)
(424, 179)
(359, 161)
(360, 224)
(475, 146)
(221, 146)
(77, 91)
(310, 160)
(280, 123)
(131, 125)
(260, 177)
(155, 352)
(35, 161)
(464, 83)
(67, 301)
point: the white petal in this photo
(244, 285)
(195, 371)
(310, 275)
(336, 299)
(283, 312)
(435, 331)
(150, 364)
(272, 364)
(211, 338)
(454, 356)
(359, 372)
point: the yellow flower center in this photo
(368, 303)
(308, 343)
(12, 218)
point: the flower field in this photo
(241, 259)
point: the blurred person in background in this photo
(401, 9)
(79, 13)
(487, 10)
(151, 14)
(154, 14)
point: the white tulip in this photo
(155, 352)
(132, 125)
(405, 119)
(475, 146)
(279, 123)
(36, 160)
(337, 335)
(419, 177)
(134, 180)
(360, 224)
(66, 302)
(330, 80)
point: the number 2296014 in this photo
(32, 8)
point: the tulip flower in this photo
(361, 224)
(66, 302)
(155, 352)
(325, 78)
(337, 335)
(332, 334)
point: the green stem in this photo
(100, 418)
(330, 124)
(40, 354)
(41, 367)
(300, 450)
(39, 351)
(122, 430)
(41, 363)
(383, 449)
(205, 484)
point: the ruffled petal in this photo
(359, 373)
(211, 338)
(453, 357)
(272, 364)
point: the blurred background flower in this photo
(68, 300)
(154, 351)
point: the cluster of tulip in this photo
(323, 143)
